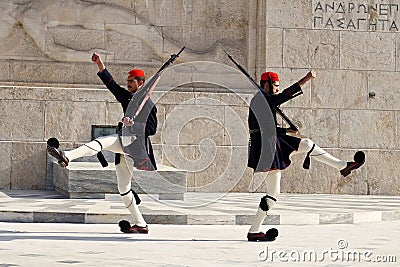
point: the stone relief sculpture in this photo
(36, 19)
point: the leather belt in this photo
(251, 131)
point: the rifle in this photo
(277, 109)
(140, 97)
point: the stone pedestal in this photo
(91, 180)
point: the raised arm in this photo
(310, 75)
(123, 96)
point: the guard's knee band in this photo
(264, 205)
(137, 199)
(308, 143)
(306, 163)
(117, 158)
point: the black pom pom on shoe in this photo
(53, 142)
(359, 157)
(271, 234)
(124, 225)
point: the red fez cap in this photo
(135, 73)
(269, 75)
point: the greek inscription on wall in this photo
(356, 15)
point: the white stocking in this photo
(124, 178)
(319, 154)
(273, 190)
(110, 143)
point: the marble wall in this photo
(49, 87)
(352, 104)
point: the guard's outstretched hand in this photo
(97, 59)
(312, 74)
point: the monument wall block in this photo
(193, 132)
(5, 164)
(296, 48)
(324, 49)
(235, 125)
(225, 97)
(188, 124)
(173, 98)
(21, 120)
(144, 47)
(28, 168)
(344, 89)
(71, 121)
(383, 90)
(91, 95)
(288, 14)
(6, 92)
(397, 137)
(78, 38)
(213, 177)
(4, 71)
(181, 155)
(28, 72)
(368, 128)
(274, 53)
(114, 113)
(383, 177)
(170, 12)
(377, 50)
(311, 48)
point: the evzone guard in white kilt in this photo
(143, 126)
(270, 149)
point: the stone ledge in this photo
(90, 180)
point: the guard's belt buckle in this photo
(254, 131)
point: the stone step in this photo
(89, 179)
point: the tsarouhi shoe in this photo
(52, 149)
(359, 159)
(126, 227)
(270, 235)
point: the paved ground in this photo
(36, 244)
(203, 230)
(200, 209)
